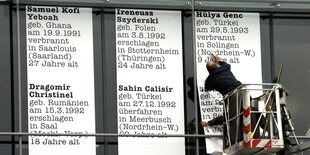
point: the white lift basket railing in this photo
(248, 130)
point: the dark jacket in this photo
(221, 79)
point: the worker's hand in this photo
(217, 58)
(204, 123)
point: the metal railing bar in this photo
(105, 135)
(300, 137)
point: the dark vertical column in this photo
(109, 80)
(6, 97)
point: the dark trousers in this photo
(236, 125)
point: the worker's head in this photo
(211, 65)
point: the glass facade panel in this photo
(291, 44)
(5, 69)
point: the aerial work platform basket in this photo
(253, 123)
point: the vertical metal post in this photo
(271, 116)
(246, 117)
(19, 78)
(271, 34)
(279, 118)
(238, 104)
(12, 81)
(195, 76)
(103, 56)
(226, 114)
(271, 131)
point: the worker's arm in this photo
(216, 121)
(217, 58)
(224, 64)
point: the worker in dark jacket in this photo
(222, 80)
